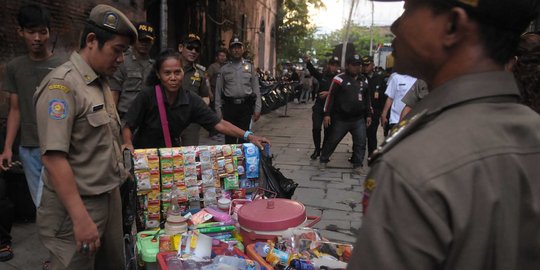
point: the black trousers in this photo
(387, 126)
(372, 133)
(239, 115)
(6, 213)
(317, 117)
(338, 130)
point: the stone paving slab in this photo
(338, 236)
(334, 225)
(336, 192)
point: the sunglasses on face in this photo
(191, 48)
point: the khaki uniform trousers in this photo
(56, 232)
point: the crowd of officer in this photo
(352, 102)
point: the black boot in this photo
(316, 154)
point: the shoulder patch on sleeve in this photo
(60, 87)
(58, 109)
(337, 80)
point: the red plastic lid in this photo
(272, 215)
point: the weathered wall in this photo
(67, 17)
(254, 21)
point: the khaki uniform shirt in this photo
(76, 115)
(213, 71)
(418, 91)
(195, 80)
(237, 80)
(460, 188)
(130, 79)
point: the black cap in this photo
(192, 39)
(334, 60)
(146, 30)
(354, 59)
(514, 15)
(367, 60)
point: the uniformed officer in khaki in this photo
(456, 186)
(194, 80)
(238, 97)
(130, 78)
(80, 218)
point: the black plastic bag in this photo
(275, 180)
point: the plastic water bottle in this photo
(262, 249)
(174, 264)
(235, 262)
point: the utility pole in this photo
(163, 25)
(347, 32)
(371, 30)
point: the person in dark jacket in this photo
(376, 88)
(347, 109)
(325, 80)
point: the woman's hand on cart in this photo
(259, 141)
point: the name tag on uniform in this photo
(376, 95)
(97, 107)
(359, 97)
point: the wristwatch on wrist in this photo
(246, 134)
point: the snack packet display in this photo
(252, 160)
(167, 181)
(199, 217)
(143, 181)
(231, 182)
(200, 173)
(140, 160)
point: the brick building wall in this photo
(67, 18)
(255, 22)
(216, 21)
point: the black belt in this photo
(238, 100)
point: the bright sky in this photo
(337, 11)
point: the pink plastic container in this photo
(263, 220)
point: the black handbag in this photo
(275, 180)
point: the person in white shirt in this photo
(398, 86)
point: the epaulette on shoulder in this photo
(60, 72)
(398, 133)
(200, 67)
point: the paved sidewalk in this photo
(333, 194)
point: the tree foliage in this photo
(322, 46)
(295, 31)
(297, 35)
